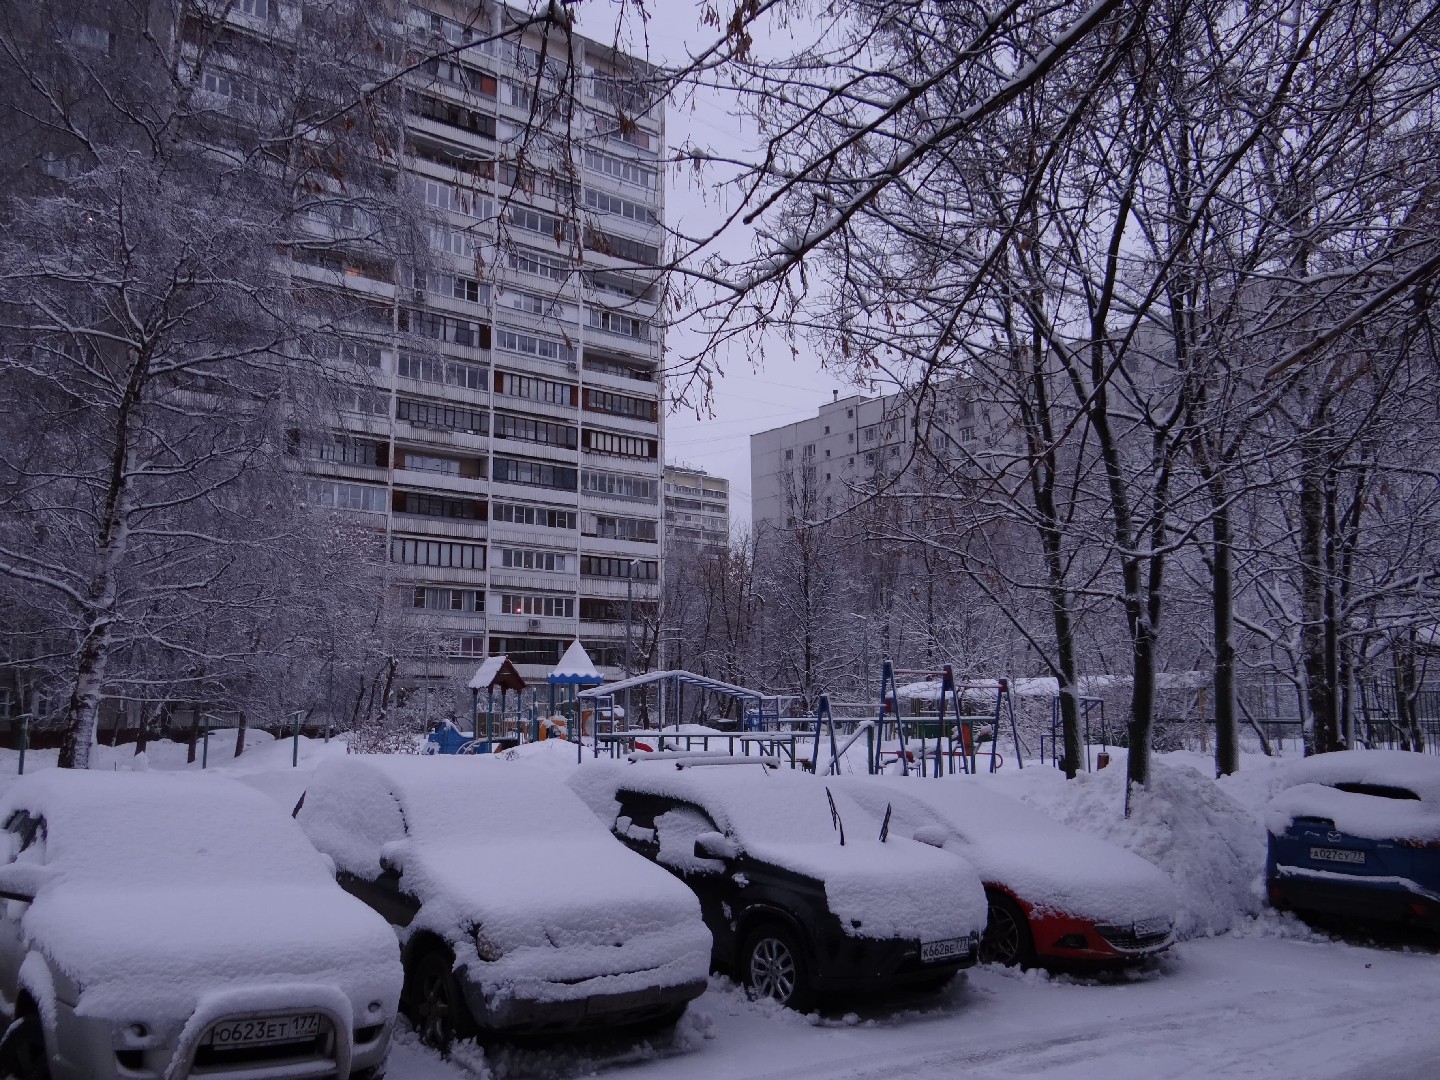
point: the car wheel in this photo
(773, 966)
(434, 1003)
(1007, 937)
(22, 1050)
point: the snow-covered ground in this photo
(1267, 1001)
(1248, 993)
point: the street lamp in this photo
(629, 620)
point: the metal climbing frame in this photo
(951, 744)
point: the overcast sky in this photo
(747, 399)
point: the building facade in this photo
(506, 433)
(819, 467)
(697, 507)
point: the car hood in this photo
(551, 893)
(152, 953)
(896, 889)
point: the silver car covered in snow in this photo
(158, 926)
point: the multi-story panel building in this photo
(821, 466)
(697, 507)
(509, 436)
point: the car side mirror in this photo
(23, 880)
(712, 845)
(934, 835)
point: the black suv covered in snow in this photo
(795, 904)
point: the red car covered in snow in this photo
(1056, 896)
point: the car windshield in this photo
(1379, 791)
(770, 809)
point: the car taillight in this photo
(1432, 845)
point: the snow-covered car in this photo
(516, 911)
(801, 898)
(1357, 834)
(1055, 896)
(164, 926)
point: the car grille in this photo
(218, 1060)
(1126, 937)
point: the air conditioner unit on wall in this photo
(535, 624)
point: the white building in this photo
(510, 441)
(818, 467)
(697, 507)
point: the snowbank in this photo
(1211, 847)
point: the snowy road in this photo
(1251, 1006)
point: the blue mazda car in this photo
(1357, 835)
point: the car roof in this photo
(139, 827)
(1413, 772)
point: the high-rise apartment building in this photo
(697, 507)
(510, 440)
(819, 467)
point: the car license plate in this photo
(1339, 855)
(931, 951)
(264, 1029)
(1148, 927)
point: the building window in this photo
(622, 247)
(536, 431)
(606, 442)
(522, 217)
(620, 371)
(537, 264)
(602, 526)
(442, 372)
(533, 389)
(414, 502)
(347, 496)
(612, 322)
(347, 451)
(415, 552)
(468, 601)
(545, 517)
(458, 287)
(470, 468)
(602, 566)
(790, 454)
(431, 324)
(625, 170)
(545, 607)
(534, 345)
(529, 650)
(534, 473)
(621, 405)
(620, 486)
(452, 114)
(612, 204)
(551, 562)
(432, 414)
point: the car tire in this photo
(773, 965)
(22, 1050)
(433, 1001)
(1007, 939)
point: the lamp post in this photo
(629, 621)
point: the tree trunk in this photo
(240, 735)
(84, 708)
(1319, 730)
(1227, 735)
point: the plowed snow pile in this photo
(1212, 847)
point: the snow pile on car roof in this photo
(1211, 847)
(516, 857)
(895, 889)
(1010, 843)
(1393, 794)
(167, 888)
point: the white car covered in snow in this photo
(802, 894)
(1055, 895)
(515, 910)
(164, 926)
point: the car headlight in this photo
(488, 950)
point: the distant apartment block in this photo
(697, 507)
(821, 466)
